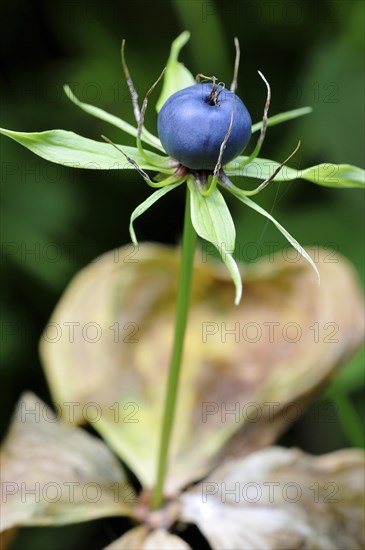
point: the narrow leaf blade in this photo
(177, 76)
(282, 229)
(338, 176)
(236, 276)
(335, 175)
(213, 222)
(70, 149)
(146, 136)
(145, 205)
(282, 117)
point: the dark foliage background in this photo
(55, 220)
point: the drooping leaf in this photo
(263, 212)
(248, 372)
(70, 149)
(213, 222)
(281, 498)
(54, 474)
(326, 175)
(282, 117)
(235, 274)
(145, 205)
(177, 76)
(141, 538)
(146, 136)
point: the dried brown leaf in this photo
(280, 499)
(140, 539)
(54, 474)
(247, 371)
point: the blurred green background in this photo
(55, 220)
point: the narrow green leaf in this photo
(235, 274)
(213, 222)
(326, 174)
(286, 234)
(145, 205)
(146, 136)
(335, 175)
(72, 150)
(282, 117)
(177, 76)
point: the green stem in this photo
(182, 306)
(348, 416)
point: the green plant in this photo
(207, 216)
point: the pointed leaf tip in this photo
(177, 76)
(92, 110)
(70, 149)
(251, 204)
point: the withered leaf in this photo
(247, 371)
(280, 499)
(140, 539)
(54, 474)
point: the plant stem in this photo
(351, 423)
(182, 306)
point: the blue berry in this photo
(193, 122)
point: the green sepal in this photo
(282, 117)
(145, 205)
(146, 136)
(326, 174)
(213, 222)
(177, 76)
(251, 204)
(70, 149)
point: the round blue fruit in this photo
(193, 123)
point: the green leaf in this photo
(145, 205)
(72, 150)
(177, 76)
(335, 175)
(146, 136)
(327, 174)
(260, 210)
(235, 274)
(282, 117)
(213, 222)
